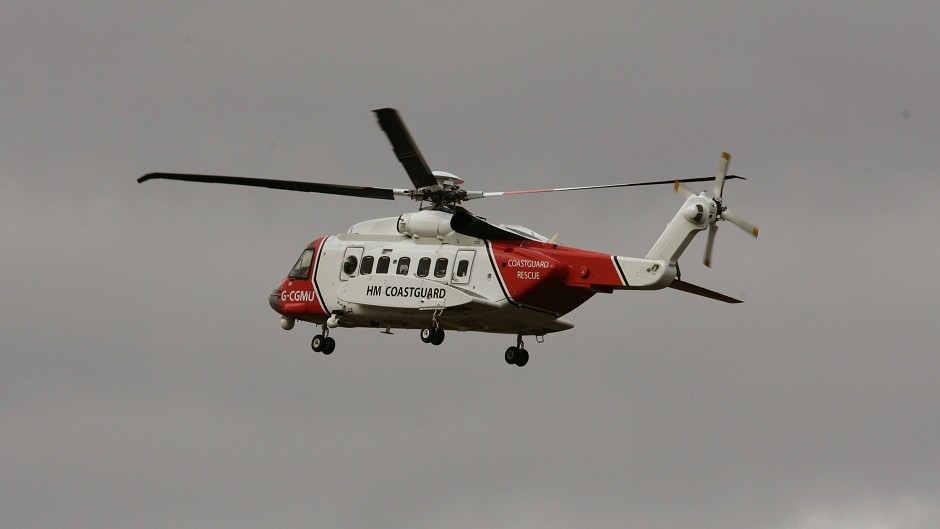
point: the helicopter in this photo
(442, 268)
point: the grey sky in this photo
(146, 383)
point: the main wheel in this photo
(318, 342)
(329, 346)
(438, 337)
(511, 355)
(427, 334)
(523, 358)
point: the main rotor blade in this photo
(604, 186)
(701, 291)
(405, 148)
(288, 185)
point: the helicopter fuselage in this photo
(404, 272)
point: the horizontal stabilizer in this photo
(701, 291)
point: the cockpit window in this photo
(301, 269)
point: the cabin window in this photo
(301, 269)
(462, 268)
(424, 267)
(440, 267)
(367, 263)
(403, 265)
(382, 267)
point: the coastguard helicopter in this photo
(442, 268)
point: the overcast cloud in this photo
(145, 382)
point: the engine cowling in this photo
(425, 224)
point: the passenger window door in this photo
(462, 266)
(350, 264)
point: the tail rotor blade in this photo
(712, 231)
(683, 189)
(731, 217)
(722, 172)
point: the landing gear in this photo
(323, 344)
(517, 355)
(432, 335)
(427, 334)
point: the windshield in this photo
(301, 269)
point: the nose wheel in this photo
(517, 355)
(322, 343)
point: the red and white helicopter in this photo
(443, 268)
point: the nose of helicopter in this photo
(273, 300)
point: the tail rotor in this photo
(721, 211)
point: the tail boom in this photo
(695, 215)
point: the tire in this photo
(329, 346)
(438, 338)
(318, 342)
(511, 355)
(523, 358)
(427, 334)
